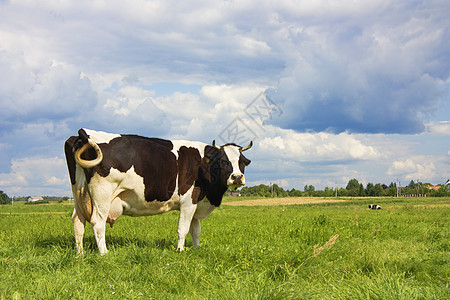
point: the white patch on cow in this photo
(130, 189)
(100, 136)
(233, 155)
(177, 144)
(187, 211)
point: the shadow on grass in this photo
(89, 243)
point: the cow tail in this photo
(87, 164)
(83, 203)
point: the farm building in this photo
(35, 198)
(234, 194)
(434, 188)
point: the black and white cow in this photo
(374, 206)
(114, 175)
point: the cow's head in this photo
(228, 164)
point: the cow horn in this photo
(248, 146)
(214, 145)
(89, 163)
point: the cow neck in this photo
(210, 181)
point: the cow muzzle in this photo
(236, 180)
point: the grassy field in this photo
(311, 251)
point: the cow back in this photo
(151, 158)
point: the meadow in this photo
(311, 251)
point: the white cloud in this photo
(41, 90)
(377, 66)
(441, 128)
(320, 146)
(32, 175)
(402, 167)
(422, 168)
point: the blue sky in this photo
(328, 90)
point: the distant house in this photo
(434, 188)
(234, 194)
(35, 198)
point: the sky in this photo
(327, 90)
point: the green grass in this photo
(400, 252)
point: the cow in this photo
(374, 206)
(114, 174)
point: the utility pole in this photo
(418, 186)
(397, 187)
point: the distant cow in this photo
(374, 206)
(114, 175)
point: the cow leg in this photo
(98, 222)
(204, 208)
(98, 226)
(78, 227)
(195, 231)
(101, 200)
(184, 222)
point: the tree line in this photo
(353, 189)
(4, 199)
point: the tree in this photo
(4, 199)
(378, 190)
(391, 190)
(362, 191)
(442, 192)
(295, 193)
(370, 189)
(309, 190)
(329, 192)
(352, 187)
(412, 184)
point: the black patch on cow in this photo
(189, 162)
(151, 157)
(213, 180)
(243, 162)
(70, 157)
(83, 135)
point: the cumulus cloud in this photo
(48, 90)
(441, 128)
(42, 175)
(374, 75)
(320, 146)
(420, 168)
(133, 110)
(189, 70)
